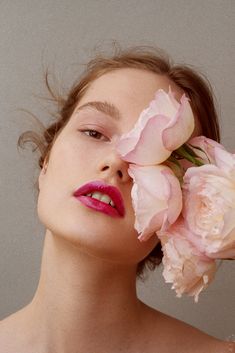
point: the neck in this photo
(83, 299)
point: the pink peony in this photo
(185, 267)
(156, 197)
(209, 205)
(161, 128)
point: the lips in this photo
(111, 191)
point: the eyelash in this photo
(90, 130)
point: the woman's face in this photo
(79, 156)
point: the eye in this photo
(95, 134)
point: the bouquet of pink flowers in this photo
(183, 192)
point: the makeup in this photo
(102, 198)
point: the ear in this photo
(42, 174)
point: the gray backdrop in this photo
(63, 33)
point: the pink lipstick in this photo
(84, 195)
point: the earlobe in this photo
(44, 169)
(41, 175)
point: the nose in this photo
(114, 167)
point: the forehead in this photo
(128, 87)
(131, 90)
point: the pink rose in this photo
(161, 128)
(209, 205)
(156, 197)
(185, 267)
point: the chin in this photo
(95, 233)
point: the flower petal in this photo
(156, 197)
(209, 207)
(162, 127)
(148, 148)
(185, 267)
(180, 127)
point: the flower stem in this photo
(187, 153)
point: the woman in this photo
(86, 298)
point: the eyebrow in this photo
(103, 107)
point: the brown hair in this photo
(194, 84)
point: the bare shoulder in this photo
(177, 336)
(11, 337)
(7, 329)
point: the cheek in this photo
(197, 129)
(69, 162)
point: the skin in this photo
(86, 297)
